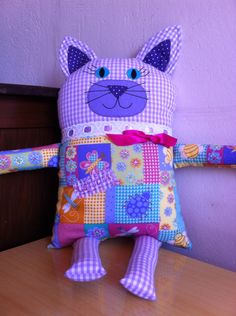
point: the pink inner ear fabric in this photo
(139, 278)
(86, 265)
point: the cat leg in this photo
(86, 262)
(139, 277)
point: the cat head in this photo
(119, 89)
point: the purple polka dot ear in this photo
(76, 59)
(162, 50)
(159, 56)
(74, 54)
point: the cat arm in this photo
(29, 158)
(193, 155)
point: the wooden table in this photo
(32, 283)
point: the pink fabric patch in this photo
(151, 163)
(69, 233)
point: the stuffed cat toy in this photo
(116, 158)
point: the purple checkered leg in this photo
(139, 277)
(86, 265)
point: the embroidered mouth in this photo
(112, 107)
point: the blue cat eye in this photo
(133, 73)
(102, 72)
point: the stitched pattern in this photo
(71, 209)
(97, 182)
(151, 163)
(95, 209)
(133, 194)
(128, 164)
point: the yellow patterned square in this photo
(94, 209)
(127, 164)
(167, 208)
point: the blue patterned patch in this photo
(53, 162)
(62, 154)
(137, 204)
(167, 235)
(35, 158)
(229, 155)
(179, 218)
(110, 205)
(99, 231)
(165, 158)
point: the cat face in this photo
(118, 97)
(125, 89)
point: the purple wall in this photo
(31, 32)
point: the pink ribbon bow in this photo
(131, 137)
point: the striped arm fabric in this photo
(139, 278)
(86, 264)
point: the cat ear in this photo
(162, 50)
(74, 54)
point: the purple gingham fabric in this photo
(73, 99)
(139, 278)
(95, 183)
(86, 265)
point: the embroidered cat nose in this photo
(117, 90)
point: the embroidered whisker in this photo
(90, 73)
(137, 84)
(98, 84)
(92, 69)
(98, 97)
(144, 75)
(96, 91)
(93, 66)
(139, 91)
(138, 96)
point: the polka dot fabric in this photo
(80, 46)
(76, 59)
(159, 56)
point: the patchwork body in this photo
(110, 191)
